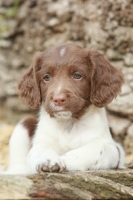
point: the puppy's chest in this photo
(72, 137)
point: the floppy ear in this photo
(106, 80)
(28, 84)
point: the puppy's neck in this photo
(63, 120)
(92, 118)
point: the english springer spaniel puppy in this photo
(71, 85)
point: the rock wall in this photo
(29, 26)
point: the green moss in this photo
(6, 16)
(11, 12)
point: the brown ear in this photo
(29, 86)
(106, 80)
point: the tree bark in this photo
(111, 184)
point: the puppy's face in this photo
(67, 79)
(65, 82)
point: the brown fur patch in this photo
(30, 124)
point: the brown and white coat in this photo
(71, 85)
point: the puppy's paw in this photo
(50, 164)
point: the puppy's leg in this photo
(121, 156)
(99, 154)
(42, 159)
(19, 145)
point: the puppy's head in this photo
(67, 79)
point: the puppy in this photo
(71, 85)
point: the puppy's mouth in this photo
(63, 114)
(60, 112)
(57, 108)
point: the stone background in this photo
(29, 26)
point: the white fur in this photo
(63, 115)
(56, 108)
(62, 51)
(58, 89)
(84, 144)
(19, 146)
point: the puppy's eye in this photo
(46, 77)
(76, 75)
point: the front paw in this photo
(51, 165)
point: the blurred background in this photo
(36, 25)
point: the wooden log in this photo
(88, 185)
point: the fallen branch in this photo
(75, 185)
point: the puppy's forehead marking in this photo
(59, 88)
(62, 51)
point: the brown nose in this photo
(59, 100)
